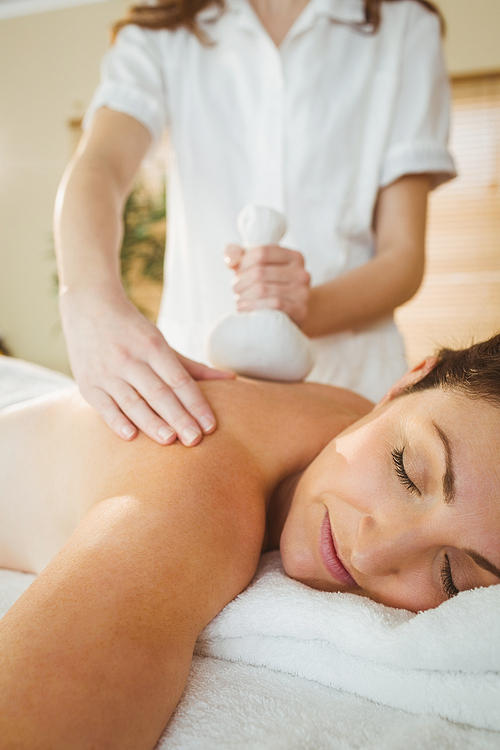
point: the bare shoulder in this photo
(284, 425)
(58, 452)
(265, 432)
(264, 401)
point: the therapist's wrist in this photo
(91, 293)
(320, 320)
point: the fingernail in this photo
(190, 434)
(127, 431)
(207, 424)
(165, 433)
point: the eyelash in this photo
(397, 457)
(446, 579)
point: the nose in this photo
(384, 549)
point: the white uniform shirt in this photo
(313, 128)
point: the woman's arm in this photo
(97, 652)
(275, 277)
(372, 291)
(122, 363)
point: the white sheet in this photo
(21, 380)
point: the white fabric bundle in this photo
(262, 343)
(445, 661)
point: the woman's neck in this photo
(278, 16)
(277, 511)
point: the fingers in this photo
(271, 274)
(204, 372)
(273, 277)
(288, 293)
(294, 311)
(274, 254)
(165, 395)
(236, 258)
(163, 411)
(127, 400)
(132, 403)
(127, 371)
(110, 413)
(233, 255)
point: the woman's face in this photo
(403, 506)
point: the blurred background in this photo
(49, 66)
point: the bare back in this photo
(58, 459)
(167, 537)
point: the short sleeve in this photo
(419, 132)
(132, 80)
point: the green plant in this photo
(144, 233)
(3, 348)
(143, 246)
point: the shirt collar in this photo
(345, 11)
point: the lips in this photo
(329, 555)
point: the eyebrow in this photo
(483, 562)
(449, 474)
(449, 497)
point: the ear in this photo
(413, 375)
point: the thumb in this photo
(203, 372)
(233, 255)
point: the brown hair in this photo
(475, 371)
(173, 14)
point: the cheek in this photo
(300, 536)
(411, 591)
(362, 474)
(296, 556)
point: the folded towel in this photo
(229, 705)
(445, 661)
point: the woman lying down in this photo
(139, 546)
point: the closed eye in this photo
(447, 580)
(397, 457)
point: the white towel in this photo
(445, 661)
(228, 705)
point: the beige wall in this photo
(472, 40)
(48, 70)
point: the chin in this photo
(299, 564)
(302, 569)
(296, 557)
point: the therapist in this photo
(335, 112)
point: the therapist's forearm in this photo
(363, 296)
(371, 292)
(88, 228)
(88, 222)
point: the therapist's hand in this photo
(270, 276)
(126, 370)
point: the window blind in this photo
(459, 300)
